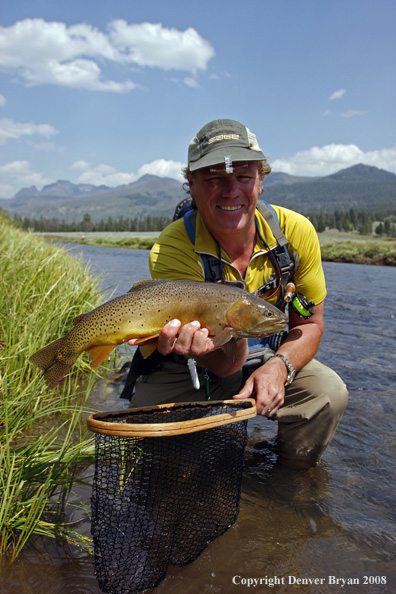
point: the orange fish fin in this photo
(142, 339)
(78, 319)
(148, 348)
(147, 345)
(97, 354)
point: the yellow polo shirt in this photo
(174, 256)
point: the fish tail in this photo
(50, 360)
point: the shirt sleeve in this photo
(173, 257)
(305, 249)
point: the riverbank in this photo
(352, 248)
(337, 246)
(42, 435)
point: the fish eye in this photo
(269, 314)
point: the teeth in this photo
(231, 207)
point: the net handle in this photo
(96, 425)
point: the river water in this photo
(299, 531)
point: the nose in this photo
(230, 186)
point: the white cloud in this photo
(337, 94)
(80, 165)
(103, 175)
(330, 158)
(43, 52)
(10, 130)
(162, 168)
(3, 101)
(109, 176)
(351, 113)
(191, 82)
(151, 44)
(19, 174)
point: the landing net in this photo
(167, 483)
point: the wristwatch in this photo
(291, 372)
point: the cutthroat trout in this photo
(226, 311)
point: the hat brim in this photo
(216, 157)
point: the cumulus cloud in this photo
(19, 174)
(151, 44)
(43, 52)
(337, 94)
(103, 175)
(163, 168)
(10, 130)
(109, 176)
(330, 158)
(80, 165)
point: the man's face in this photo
(227, 201)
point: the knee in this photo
(337, 394)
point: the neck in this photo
(239, 247)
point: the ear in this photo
(191, 186)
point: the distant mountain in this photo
(277, 177)
(361, 187)
(60, 189)
(149, 195)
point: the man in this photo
(225, 171)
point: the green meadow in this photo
(340, 246)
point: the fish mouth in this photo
(268, 331)
(265, 330)
(272, 328)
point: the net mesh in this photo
(159, 501)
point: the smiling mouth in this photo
(238, 207)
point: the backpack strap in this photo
(283, 260)
(213, 266)
(272, 221)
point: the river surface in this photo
(297, 531)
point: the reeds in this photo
(41, 435)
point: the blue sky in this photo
(103, 92)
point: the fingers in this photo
(268, 391)
(246, 391)
(168, 337)
(189, 338)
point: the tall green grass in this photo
(42, 438)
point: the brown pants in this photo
(314, 404)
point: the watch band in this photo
(291, 372)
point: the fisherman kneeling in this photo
(229, 236)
